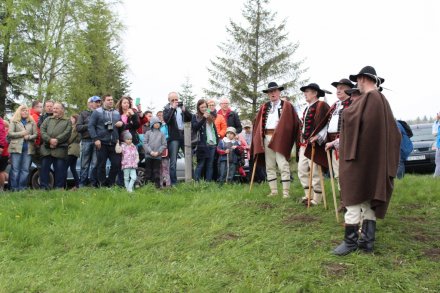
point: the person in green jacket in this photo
(55, 133)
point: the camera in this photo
(109, 125)
(180, 104)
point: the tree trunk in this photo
(4, 71)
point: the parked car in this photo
(422, 158)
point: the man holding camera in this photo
(104, 125)
(174, 115)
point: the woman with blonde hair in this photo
(22, 134)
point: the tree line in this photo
(65, 50)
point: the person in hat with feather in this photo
(313, 116)
(369, 150)
(327, 132)
(275, 131)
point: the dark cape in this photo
(284, 137)
(320, 117)
(369, 152)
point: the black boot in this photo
(350, 242)
(366, 241)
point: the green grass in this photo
(203, 238)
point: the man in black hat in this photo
(369, 155)
(313, 116)
(328, 131)
(274, 133)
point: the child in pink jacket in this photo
(130, 160)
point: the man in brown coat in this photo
(274, 133)
(313, 115)
(369, 150)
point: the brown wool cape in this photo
(369, 152)
(320, 157)
(284, 137)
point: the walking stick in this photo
(322, 187)
(227, 167)
(311, 176)
(333, 185)
(253, 173)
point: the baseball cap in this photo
(94, 99)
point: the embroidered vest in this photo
(309, 120)
(266, 109)
(344, 104)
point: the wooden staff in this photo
(253, 173)
(309, 195)
(324, 199)
(333, 185)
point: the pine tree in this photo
(255, 54)
(187, 96)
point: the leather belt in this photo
(269, 131)
(333, 136)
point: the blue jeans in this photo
(401, 169)
(129, 178)
(224, 170)
(18, 176)
(173, 149)
(59, 170)
(437, 163)
(207, 163)
(88, 163)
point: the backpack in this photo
(406, 127)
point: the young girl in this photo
(229, 150)
(130, 160)
(154, 144)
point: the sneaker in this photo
(272, 194)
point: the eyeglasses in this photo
(173, 100)
(211, 105)
(98, 102)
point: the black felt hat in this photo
(343, 81)
(315, 87)
(369, 72)
(273, 86)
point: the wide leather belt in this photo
(269, 131)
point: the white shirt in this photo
(307, 113)
(334, 121)
(272, 117)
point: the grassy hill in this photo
(203, 238)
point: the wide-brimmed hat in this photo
(232, 130)
(370, 72)
(343, 81)
(315, 87)
(273, 86)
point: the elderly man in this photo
(369, 156)
(327, 132)
(55, 133)
(88, 151)
(231, 117)
(274, 133)
(174, 115)
(313, 115)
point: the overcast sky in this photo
(167, 40)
